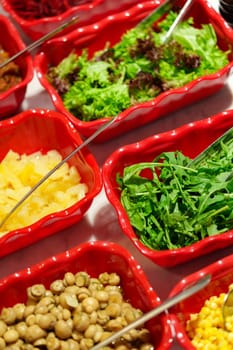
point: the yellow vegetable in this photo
(19, 173)
(206, 329)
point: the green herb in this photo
(136, 69)
(175, 205)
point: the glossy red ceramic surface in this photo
(95, 37)
(11, 42)
(89, 12)
(222, 276)
(190, 139)
(43, 130)
(111, 258)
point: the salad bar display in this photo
(129, 220)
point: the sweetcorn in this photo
(18, 174)
(206, 329)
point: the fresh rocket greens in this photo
(136, 69)
(171, 204)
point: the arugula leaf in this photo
(175, 205)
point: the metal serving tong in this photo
(40, 41)
(187, 292)
(213, 147)
(149, 20)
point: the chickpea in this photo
(83, 293)
(11, 336)
(86, 344)
(21, 328)
(114, 279)
(8, 315)
(68, 300)
(41, 309)
(47, 301)
(95, 285)
(47, 321)
(98, 334)
(115, 297)
(73, 345)
(90, 304)
(101, 295)
(69, 279)
(62, 329)
(66, 314)
(57, 312)
(90, 331)
(102, 317)
(40, 343)
(93, 317)
(113, 325)
(34, 332)
(29, 309)
(2, 343)
(72, 289)
(36, 291)
(30, 320)
(3, 327)
(113, 310)
(81, 321)
(52, 342)
(19, 310)
(57, 286)
(74, 314)
(82, 279)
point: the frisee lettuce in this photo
(136, 69)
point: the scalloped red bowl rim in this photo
(85, 30)
(193, 250)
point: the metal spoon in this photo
(227, 307)
(151, 18)
(187, 292)
(40, 41)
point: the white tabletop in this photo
(100, 222)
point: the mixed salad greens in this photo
(172, 204)
(136, 69)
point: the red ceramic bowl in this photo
(95, 37)
(222, 276)
(11, 42)
(35, 28)
(110, 258)
(43, 130)
(200, 134)
(88, 11)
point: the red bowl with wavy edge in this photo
(43, 130)
(201, 134)
(221, 277)
(96, 36)
(111, 258)
(11, 42)
(88, 11)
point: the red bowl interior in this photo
(95, 37)
(222, 276)
(35, 28)
(88, 11)
(111, 258)
(43, 130)
(201, 134)
(11, 42)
